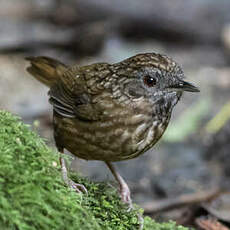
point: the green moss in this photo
(33, 195)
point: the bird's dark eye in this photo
(150, 81)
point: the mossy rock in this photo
(33, 195)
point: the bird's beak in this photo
(185, 86)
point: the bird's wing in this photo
(78, 97)
(79, 106)
(61, 101)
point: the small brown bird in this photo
(111, 112)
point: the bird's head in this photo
(155, 77)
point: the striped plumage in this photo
(111, 112)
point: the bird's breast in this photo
(123, 134)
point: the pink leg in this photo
(77, 187)
(124, 188)
(125, 193)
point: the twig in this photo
(210, 223)
(171, 203)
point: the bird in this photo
(110, 112)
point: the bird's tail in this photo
(45, 69)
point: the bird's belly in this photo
(114, 140)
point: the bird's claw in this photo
(126, 198)
(79, 188)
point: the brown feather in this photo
(46, 70)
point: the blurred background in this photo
(194, 154)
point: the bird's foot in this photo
(140, 220)
(126, 197)
(125, 193)
(79, 188)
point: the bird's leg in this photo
(124, 188)
(125, 192)
(77, 187)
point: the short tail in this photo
(45, 69)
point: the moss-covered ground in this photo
(33, 195)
